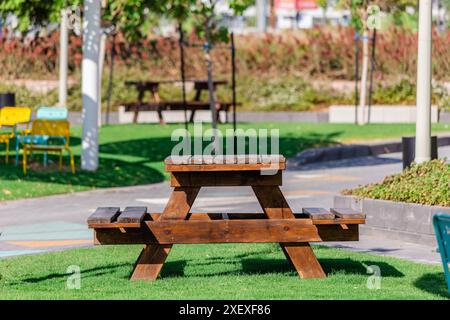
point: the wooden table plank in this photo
(318, 213)
(347, 213)
(104, 215)
(198, 163)
(132, 215)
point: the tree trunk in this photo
(365, 70)
(212, 95)
(110, 80)
(63, 59)
(272, 15)
(101, 62)
(89, 85)
(325, 17)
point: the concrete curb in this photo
(342, 152)
(408, 222)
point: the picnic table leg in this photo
(152, 257)
(150, 262)
(300, 255)
(191, 118)
(198, 95)
(158, 100)
(160, 116)
(141, 95)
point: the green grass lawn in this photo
(134, 154)
(228, 271)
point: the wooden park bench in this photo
(156, 104)
(178, 225)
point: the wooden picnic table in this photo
(156, 104)
(178, 225)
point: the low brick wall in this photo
(205, 116)
(395, 220)
(444, 117)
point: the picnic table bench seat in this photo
(174, 105)
(192, 106)
(157, 104)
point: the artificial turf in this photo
(227, 271)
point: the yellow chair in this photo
(11, 117)
(57, 130)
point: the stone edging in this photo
(342, 152)
(408, 222)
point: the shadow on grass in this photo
(157, 149)
(85, 273)
(111, 173)
(433, 283)
(330, 266)
(173, 269)
(132, 171)
(368, 161)
(259, 266)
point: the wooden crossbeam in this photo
(227, 231)
(224, 179)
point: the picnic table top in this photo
(224, 163)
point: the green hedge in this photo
(427, 183)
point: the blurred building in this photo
(288, 14)
(304, 14)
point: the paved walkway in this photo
(59, 222)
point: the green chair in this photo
(43, 113)
(441, 223)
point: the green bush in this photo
(403, 92)
(427, 183)
(263, 93)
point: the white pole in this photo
(89, 84)
(423, 121)
(261, 6)
(362, 116)
(63, 57)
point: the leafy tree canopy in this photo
(358, 7)
(128, 16)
